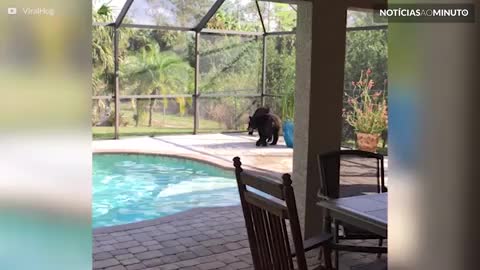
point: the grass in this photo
(161, 125)
(109, 132)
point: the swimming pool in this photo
(130, 188)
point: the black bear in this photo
(268, 126)
(258, 112)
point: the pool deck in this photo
(217, 149)
(203, 238)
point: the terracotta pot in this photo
(367, 142)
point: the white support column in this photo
(321, 37)
(302, 97)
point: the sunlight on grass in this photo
(161, 125)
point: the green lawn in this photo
(162, 125)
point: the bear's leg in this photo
(275, 136)
(263, 138)
(264, 141)
(260, 133)
(260, 141)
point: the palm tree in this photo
(102, 49)
(153, 72)
(102, 59)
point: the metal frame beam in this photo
(203, 22)
(205, 95)
(260, 16)
(276, 96)
(282, 33)
(230, 32)
(220, 95)
(367, 28)
(160, 27)
(196, 83)
(264, 69)
(205, 30)
(152, 96)
(117, 81)
(123, 12)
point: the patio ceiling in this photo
(181, 15)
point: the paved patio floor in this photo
(201, 239)
(205, 238)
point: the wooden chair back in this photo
(266, 213)
(332, 161)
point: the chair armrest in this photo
(315, 242)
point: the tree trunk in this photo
(164, 113)
(142, 111)
(137, 117)
(150, 112)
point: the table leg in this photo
(327, 251)
(335, 240)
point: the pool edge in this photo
(157, 221)
(128, 152)
(275, 176)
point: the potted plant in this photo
(367, 113)
(288, 111)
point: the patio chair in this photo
(328, 191)
(335, 158)
(267, 206)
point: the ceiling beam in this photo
(261, 16)
(281, 33)
(123, 13)
(231, 32)
(157, 27)
(209, 15)
(367, 28)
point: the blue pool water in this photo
(131, 188)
